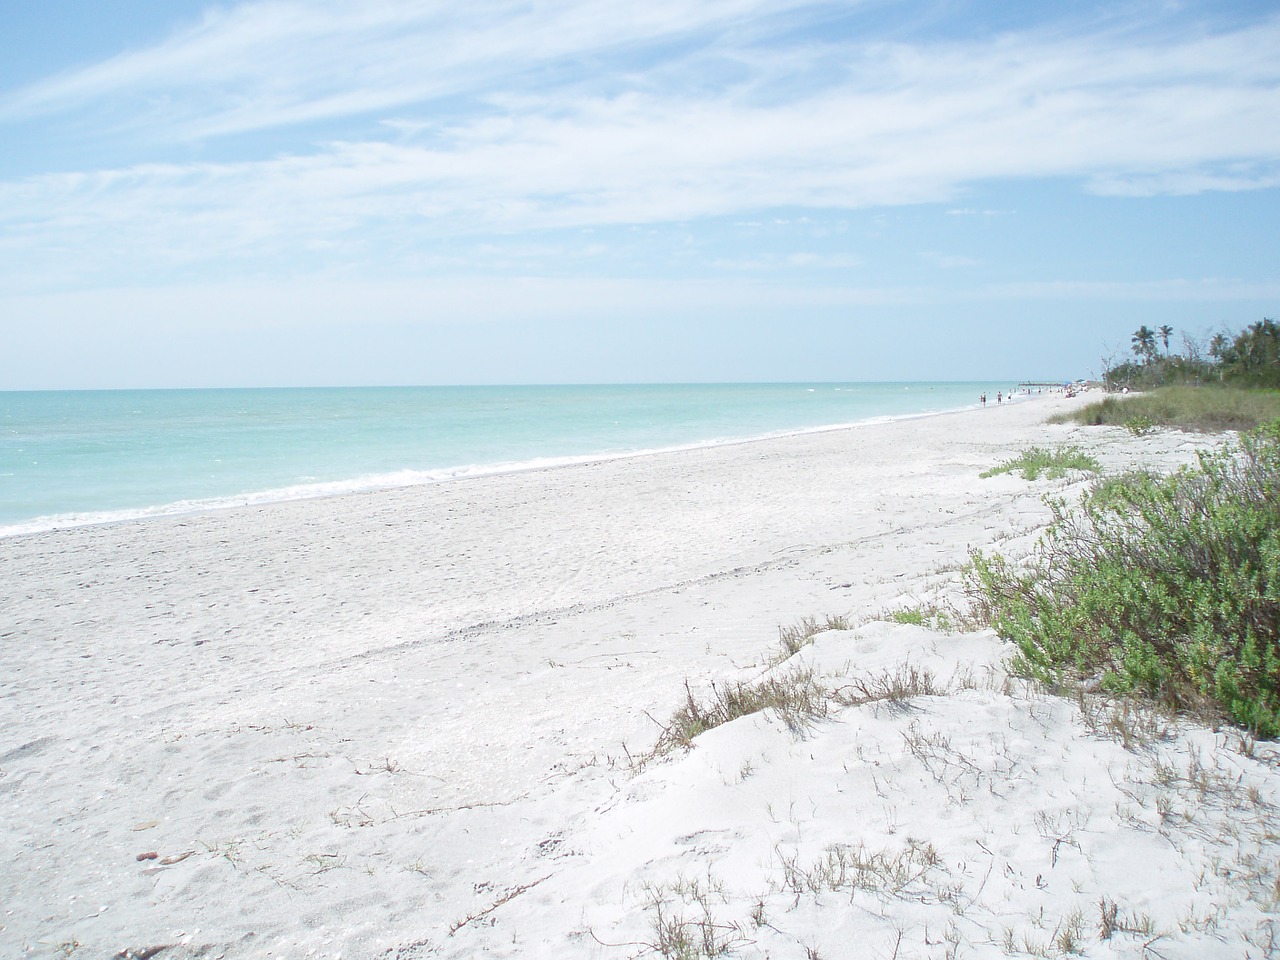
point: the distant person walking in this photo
(999, 397)
(983, 398)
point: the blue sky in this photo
(278, 193)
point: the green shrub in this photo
(1054, 464)
(1140, 425)
(913, 617)
(1165, 586)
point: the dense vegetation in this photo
(1206, 408)
(1198, 389)
(1251, 359)
(1162, 586)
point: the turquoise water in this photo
(75, 457)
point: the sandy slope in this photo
(394, 725)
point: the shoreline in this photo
(398, 724)
(404, 478)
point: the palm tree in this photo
(1165, 333)
(1144, 343)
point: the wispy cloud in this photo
(598, 113)
(282, 62)
(1231, 178)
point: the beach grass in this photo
(1163, 586)
(1205, 409)
(793, 639)
(684, 922)
(798, 697)
(1053, 464)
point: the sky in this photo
(588, 191)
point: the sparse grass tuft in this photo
(793, 639)
(684, 925)
(1069, 937)
(797, 697)
(1134, 725)
(849, 867)
(1111, 921)
(897, 688)
(1054, 464)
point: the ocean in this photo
(78, 457)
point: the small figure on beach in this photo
(983, 398)
(999, 397)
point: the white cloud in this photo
(895, 124)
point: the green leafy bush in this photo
(1167, 586)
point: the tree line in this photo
(1250, 358)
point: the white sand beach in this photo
(399, 725)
